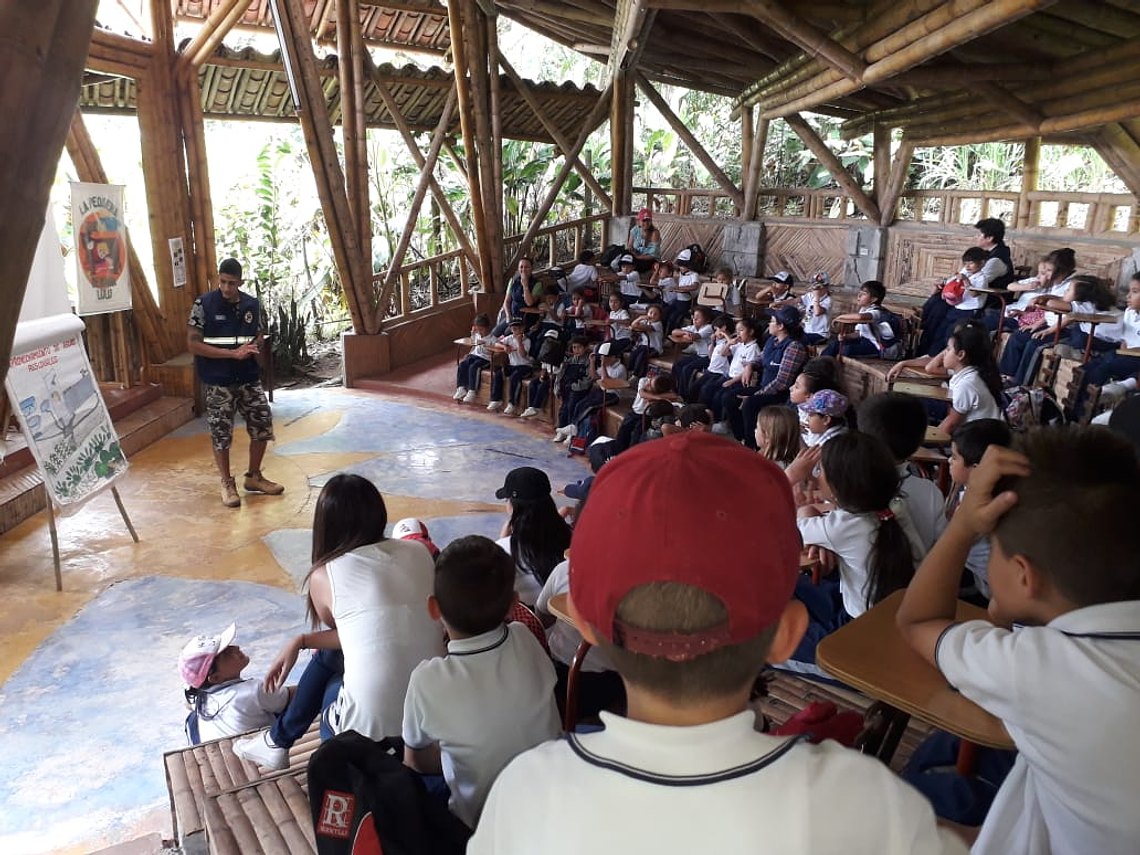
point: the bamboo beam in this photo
(466, 125)
(496, 122)
(456, 160)
(297, 54)
(214, 30)
(806, 37)
(691, 141)
(436, 191)
(621, 127)
(1122, 153)
(1002, 99)
(890, 203)
(551, 128)
(957, 74)
(1030, 165)
(42, 49)
(592, 121)
(746, 126)
(197, 174)
(1080, 120)
(755, 168)
(833, 165)
(426, 171)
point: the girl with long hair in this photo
(536, 535)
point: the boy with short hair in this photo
(1059, 509)
(686, 771)
(467, 372)
(873, 333)
(816, 308)
(962, 302)
(900, 420)
(584, 272)
(468, 714)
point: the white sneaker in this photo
(721, 429)
(460, 391)
(560, 434)
(259, 748)
(1113, 391)
(529, 413)
(469, 398)
(495, 406)
(510, 410)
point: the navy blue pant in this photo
(853, 347)
(676, 313)
(318, 687)
(824, 605)
(467, 372)
(706, 388)
(683, 371)
(934, 312)
(639, 359)
(1104, 369)
(537, 391)
(516, 374)
(1020, 355)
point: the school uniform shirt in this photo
(970, 396)
(1058, 290)
(700, 345)
(668, 286)
(239, 706)
(561, 638)
(972, 300)
(620, 331)
(1113, 333)
(582, 274)
(876, 329)
(654, 336)
(1069, 694)
(640, 404)
(1022, 302)
(629, 283)
(718, 359)
(1130, 328)
(639, 788)
(851, 536)
(924, 504)
(742, 354)
(527, 585)
(617, 371)
(481, 343)
(585, 313)
(816, 324)
(518, 353)
(487, 701)
(691, 282)
(813, 439)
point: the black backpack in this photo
(552, 351)
(364, 799)
(698, 260)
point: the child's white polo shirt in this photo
(816, 324)
(925, 504)
(488, 700)
(1069, 695)
(970, 396)
(720, 787)
(563, 639)
(238, 706)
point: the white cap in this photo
(409, 527)
(604, 349)
(199, 653)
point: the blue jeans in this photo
(1102, 369)
(750, 412)
(1020, 355)
(318, 687)
(683, 371)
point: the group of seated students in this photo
(682, 571)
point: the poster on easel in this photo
(103, 279)
(57, 401)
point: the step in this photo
(22, 492)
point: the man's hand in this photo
(247, 350)
(980, 508)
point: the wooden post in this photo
(691, 141)
(1122, 153)
(833, 165)
(620, 128)
(1028, 182)
(297, 57)
(414, 210)
(755, 169)
(882, 160)
(496, 125)
(201, 252)
(214, 29)
(745, 143)
(899, 170)
(350, 68)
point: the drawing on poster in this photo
(100, 248)
(63, 415)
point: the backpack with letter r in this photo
(698, 260)
(365, 801)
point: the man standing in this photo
(224, 336)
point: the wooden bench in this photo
(199, 775)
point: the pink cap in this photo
(738, 542)
(199, 654)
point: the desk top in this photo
(871, 655)
(928, 455)
(556, 605)
(1128, 351)
(612, 383)
(934, 435)
(922, 390)
(533, 310)
(1092, 318)
(466, 341)
(1002, 291)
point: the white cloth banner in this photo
(104, 281)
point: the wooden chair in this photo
(713, 294)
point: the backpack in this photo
(897, 349)
(698, 260)
(1024, 407)
(614, 250)
(552, 351)
(364, 799)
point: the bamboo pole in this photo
(810, 40)
(364, 221)
(691, 141)
(414, 210)
(353, 130)
(475, 50)
(833, 165)
(456, 160)
(755, 168)
(620, 202)
(1002, 99)
(1029, 170)
(896, 183)
(437, 192)
(592, 121)
(297, 53)
(882, 160)
(194, 131)
(551, 128)
(746, 126)
(456, 24)
(1079, 120)
(1122, 153)
(214, 30)
(496, 122)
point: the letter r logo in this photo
(336, 814)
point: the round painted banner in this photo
(102, 255)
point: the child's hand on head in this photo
(980, 509)
(801, 468)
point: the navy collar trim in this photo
(499, 642)
(681, 780)
(1112, 636)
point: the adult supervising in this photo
(224, 336)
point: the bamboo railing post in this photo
(297, 56)
(691, 141)
(755, 169)
(833, 165)
(899, 169)
(1029, 170)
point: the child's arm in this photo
(931, 601)
(327, 639)
(952, 420)
(854, 318)
(424, 760)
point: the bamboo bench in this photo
(215, 796)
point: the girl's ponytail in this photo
(891, 562)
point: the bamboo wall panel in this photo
(676, 234)
(804, 250)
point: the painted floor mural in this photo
(91, 696)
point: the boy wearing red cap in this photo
(686, 771)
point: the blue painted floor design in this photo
(112, 668)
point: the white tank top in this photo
(379, 602)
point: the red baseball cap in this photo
(688, 508)
(644, 214)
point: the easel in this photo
(55, 534)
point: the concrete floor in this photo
(89, 692)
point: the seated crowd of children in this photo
(1034, 526)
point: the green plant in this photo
(290, 337)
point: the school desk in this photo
(1128, 351)
(932, 391)
(460, 344)
(926, 457)
(870, 654)
(1002, 294)
(934, 436)
(1092, 319)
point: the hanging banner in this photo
(61, 411)
(100, 248)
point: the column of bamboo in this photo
(1029, 171)
(746, 129)
(42, 48)
(755, 169)
(198, 177)
(833, 165)
(350, 45)
(881, 163)
(620, 127)
(889, 206)
(496, 123)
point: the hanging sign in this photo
(103, 279)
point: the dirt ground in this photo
(324, 369)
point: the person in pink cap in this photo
(689, 615)
(644, 242)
